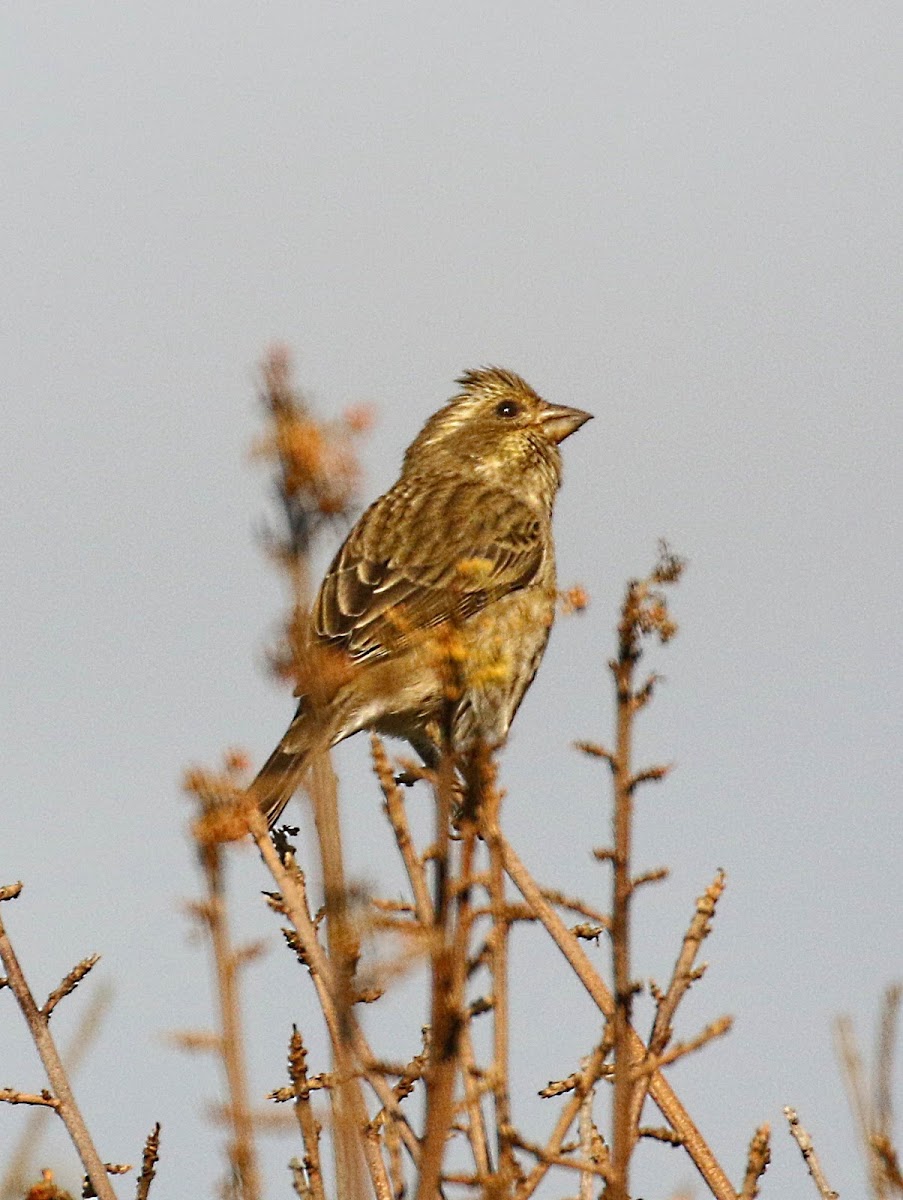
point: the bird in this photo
(433, 617)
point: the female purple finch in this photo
(434, 615)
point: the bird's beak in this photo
(559, 421)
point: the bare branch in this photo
(555, 896)
(586, 1130)
(395, 811)
(807, 1149)
(659, 1088)
(884, 1060)
(757, 1160)
(148, 1163)
(682, 978)
(290, 882)
(230, 1041)
(594, 750)
(658, 1133)
(21, 1157)
(453, 918)
(714, 1029)
(549, 1158)
(889, 1159)
(489, 811)
(858, 1096)
(50, 1057)
(69, 983)
(649, 775)
(658, 875)
(307, 1121)
(478, 1135)
(42, 1099)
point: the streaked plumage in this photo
(454, 564)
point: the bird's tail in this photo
(281, 774)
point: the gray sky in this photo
(684, 217)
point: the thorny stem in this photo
(53, 1065)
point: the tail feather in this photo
(280, 776)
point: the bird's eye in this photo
(507, 408)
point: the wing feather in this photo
(420, 556)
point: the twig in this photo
(24, 1153)
(308, 1124)
(574, 904)
(581, 1086)
(714, 1029)
(622, 892)
(884, 1059)
(757, 1160)
(682, 979)
(449, 944)
(343, 949)
(290, 883)
(549, 1158)
(398, 819)
(477, 1133)
(56, 1073)
(872, 1107)
(890, 1162)
(40, 1100)
(660, 1133)
(659, 1088)
(684, 975)
(489, 813)
(317, 476)
(242, 1149)
(585, 1124)
(643, 612)
(148, 1163)
(804, 1141)
(69, 983)
(594, 750)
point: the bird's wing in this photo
(422, 555)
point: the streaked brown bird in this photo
(435, 613)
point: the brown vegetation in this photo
(442, 1120)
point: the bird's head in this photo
(498, 428)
